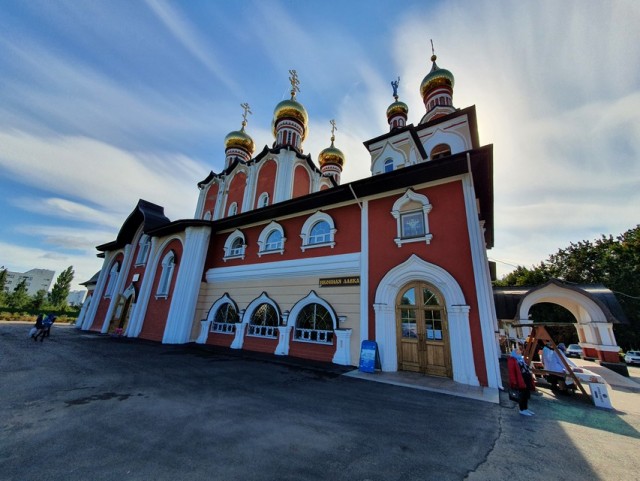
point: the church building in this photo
(281, 257)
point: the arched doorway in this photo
(422, 330)
(122, 312)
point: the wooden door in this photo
(422, 331)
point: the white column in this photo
(205, 327)
(461, 347)
(119, 287)
(250, 193)
(218, 212)
(284, 337)
(140, 309)
(386, 336)
(238, 340)
(343, 347)
(484, 290)
(364, 271)
(98, 292)
(201, 200)
(187, 286)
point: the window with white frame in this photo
(143, 250)
(263, 200)
(411, 212)
(271, 240)
(235, 246)
(168, 266)
(314, 324)
(207, 215)
(264, 321)
(388, 165)
(225, 319)
(318, 231)
(113, 279)
(233, 209)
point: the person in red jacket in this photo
(520, 378)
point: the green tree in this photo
(19, 298)
(611, 261)
(38, 300)
(3, 283)
(61, 288)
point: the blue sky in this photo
(106, 102)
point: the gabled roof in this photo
(508, 299)
(147, 214)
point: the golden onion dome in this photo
(397, 107)
(435, 78)
(239, 139)
(331, 155)
(291, 109)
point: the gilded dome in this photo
(435, 78)
(239, 139)
(331, 155)
(290, 109)
(397, 107)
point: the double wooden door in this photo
(422, 330)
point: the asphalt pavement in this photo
(84, 406)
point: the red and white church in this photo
(282, 258)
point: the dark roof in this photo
(150, 215)
(508, 299)
(91, 282)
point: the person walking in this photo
(45, 329)
(521, 379)
(38, 327)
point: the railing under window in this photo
(223, 327)
(273, 246)
(314, 335)
(320, 238)
(236, 251)
(262, 331)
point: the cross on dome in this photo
(246, 110)
(294, 83)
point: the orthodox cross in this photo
(294, 83)
(246, 110)
(333, 129)
(433, 52)
(394, 84)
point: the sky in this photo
(106, 102)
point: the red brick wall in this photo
(103, 305)
(266, 181)
(301, 182)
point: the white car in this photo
(574, 350)
(632, 357)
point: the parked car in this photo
(632, 357)
(574, 350)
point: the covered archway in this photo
(593, 306)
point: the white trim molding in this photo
(263, 247)
(423, 214)
(234, 253)
(310, 223)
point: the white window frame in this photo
(397, 212)
(229, 251)
(305, 235)
(263, 200)
(253, 330)
(233, 209)
(143, 250)
(264, 235)
(168, 267)
(388, 162)
(113, 280)
(227, 327)
(207, 215)
(311, 298)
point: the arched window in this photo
(263, 200)
(388, 165)
(143, 250)
(411, 212)
(264, 321)
(234, 247)
(113, 279)
(314, 324)
(168, 266)
(233, 209)
(271, 240)
(225, 319)
(318, 231)
(439, 151)
(207, 215)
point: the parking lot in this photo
(82, 406)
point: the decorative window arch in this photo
(207, 215)
(318, 231)
(143, 250)
(439, 151)
(271, 240)
(411, 212)
(168, 266)
(224, 315)
(314, 320)
(233, 209)
(235, 246)
(388, 165)
(263, 200)
(263, 317)
(113, 279)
